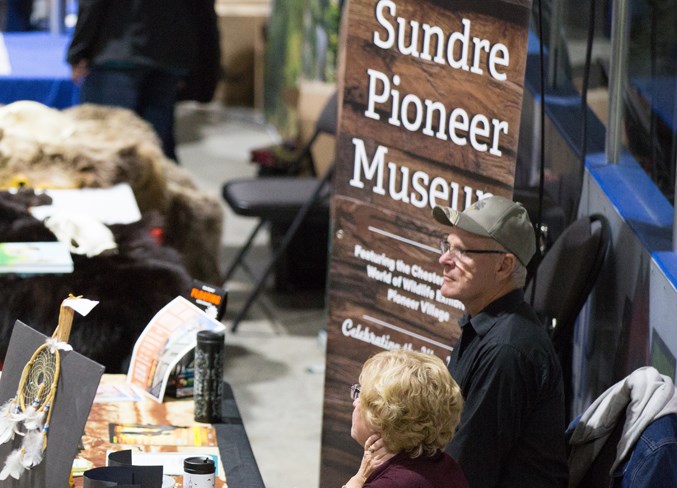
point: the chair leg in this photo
(240, 255)
(286, 240)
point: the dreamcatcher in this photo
(28, 414)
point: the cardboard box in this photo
(242, 30)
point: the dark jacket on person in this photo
(512, 427)
(149, 33)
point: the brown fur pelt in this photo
(96, 147)
(132, 285)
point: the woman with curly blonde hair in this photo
(406, 409)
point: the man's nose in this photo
(446, 259)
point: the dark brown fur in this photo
(131, 285)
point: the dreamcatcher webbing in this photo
(38, 384)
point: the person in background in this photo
(16, 15)
(512, 429)
(405, 411)
(134, 54)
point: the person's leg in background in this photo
(156, 105)
(151, 94)
(113, 87)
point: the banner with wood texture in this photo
(430, 95)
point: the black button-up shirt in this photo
(512, 427)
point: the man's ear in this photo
(505, 265)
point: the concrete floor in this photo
(275, 361)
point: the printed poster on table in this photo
(162, 435)
(431, 94)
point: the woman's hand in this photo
(374, 455)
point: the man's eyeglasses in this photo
(459, 252)
(355, 392)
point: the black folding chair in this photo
(286, 200)
(562, 282)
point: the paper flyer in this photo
(169, 336)
(112, 205)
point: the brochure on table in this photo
(170, 335)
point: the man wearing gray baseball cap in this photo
(512, 427)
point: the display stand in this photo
(78, 381)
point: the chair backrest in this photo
(328, 119)
(563, 280)
(326, 123)
(566, 274)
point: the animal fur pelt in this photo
(95, 146)
(132, 285)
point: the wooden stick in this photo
(63, 329)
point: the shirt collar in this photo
(485, 320)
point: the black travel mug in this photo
(208, 382)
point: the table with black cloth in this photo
(237, 457)
(38, 70)
(236, 453)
